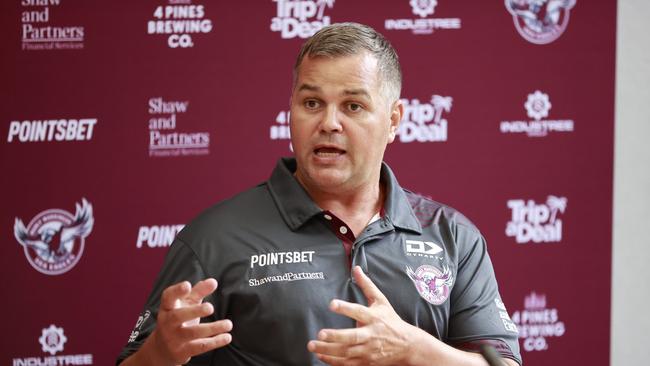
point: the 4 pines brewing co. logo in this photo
(54, 239)
(179, 19)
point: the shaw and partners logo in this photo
(164, 140)
(537, 107)
(54, 240)
(52, 341)
(537, 323)
(298, 18)
(179, 19)
(424, 122)
(540, 21)
(38, 33)
(539, 223)
(424, 24)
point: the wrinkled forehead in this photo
(360, 69)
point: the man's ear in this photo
(396, 113)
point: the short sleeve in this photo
(180, 265)
(477, 314)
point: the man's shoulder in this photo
(244, 208)
(431, 212)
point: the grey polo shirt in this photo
(279, 260)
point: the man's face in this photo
(341, 122)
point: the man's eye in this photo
(312, 104)
(354, 107)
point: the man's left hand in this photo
(380, 338)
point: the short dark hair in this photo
(346, 39)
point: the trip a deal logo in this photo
(298, 18)
(54, 239)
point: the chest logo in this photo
(432, 284)
(418, 248)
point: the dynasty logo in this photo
(54, 240)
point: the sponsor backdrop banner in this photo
(123, 120)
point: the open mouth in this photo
(328, 152)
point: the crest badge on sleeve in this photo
(432, 284)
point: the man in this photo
(330, 260)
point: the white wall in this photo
(631, 265)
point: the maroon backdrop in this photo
(123, 120)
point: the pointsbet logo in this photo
(424, 122)
(58, 130)
(300, 19)
(536, 222)
(157, 236)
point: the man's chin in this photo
(325, 179)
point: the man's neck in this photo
(355, 207)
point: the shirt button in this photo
(343, 230)
(327, 217)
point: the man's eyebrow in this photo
(309, 87)
(357, 92)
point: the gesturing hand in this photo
(380, 338)
(178, 334)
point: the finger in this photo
(326, 348)
(190, 312)
(347, 337)
(173, 293)
(205, 330)
(202, 289)
(369, 289)
(355, 311)
(202, 345)
(339, 361)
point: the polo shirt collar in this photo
(296, 207)
(293, 202)
(397, 208)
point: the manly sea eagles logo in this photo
(432, 284)
(540, 21)
(54, 240)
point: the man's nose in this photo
(331, 121)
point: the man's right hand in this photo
(178, 334)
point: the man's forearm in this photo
(427, 350)
(147, 355)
